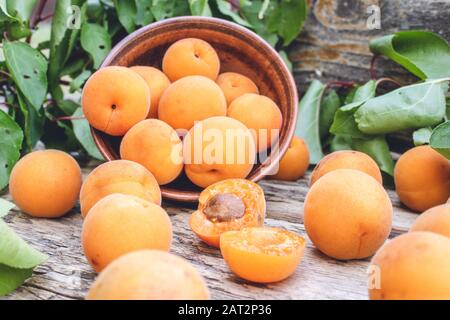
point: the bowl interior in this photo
(239, 50)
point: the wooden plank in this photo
(67, 275)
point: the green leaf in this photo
(21, 9)
(96, 41)
(5, 207)
(378, 149)
(291, 16)
(83, 134)
(68, 106)
(339, 143)
(308, 120)
(144, 12)
(226, 8)
(15, 252)
(422, 136)
(330, 104)
(10, 144)
(286, 60)
(28, 68)
(416, 106)
(440, 139)
(344, 122)
(12, 278)
(126, 11)
(32, 122)
(200, 8)
(62, 40)
(78, 82)
(425, 54)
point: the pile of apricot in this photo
(187, 116)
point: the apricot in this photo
(114, 99)
(190, 57)
(191, 99)
(119, 176)
(436, 219)
(261, 115)
(422, 178)
(348, 214)
(157, 83)
(228, 205)
(216, 149)
(262, 254)
(119, 224)
(156, 146)
(346, 159)
(295, 161)
(413, 266)
(149, 275)
(45, 183)
(235, 85)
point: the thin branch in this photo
(4, 73)
(390, 80)
(341, 84)
(67, 118)
(36, 17)
(372, 71)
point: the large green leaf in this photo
(15, 252)
(425, 54)
(200, 8)
(226, 8)
(308, 120)
(344, 121)
(144, 14)
(5, 207)
(83, 133)
(290, 16)
(21, 9)
(32, 122)
(378, 149)
(95, 40)
(170, 8)
(126, 11)
(440, 139)
(330, 104)
(28, 68)
(12, 278)
(62, 40)
(416, 106)
(10, 145)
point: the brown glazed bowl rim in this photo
(262, 169)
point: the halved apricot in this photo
(262, 254)
(231, 204)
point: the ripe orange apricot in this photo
(149, 275)
(231, 204)
(235, 85)
(156, 146)
(422, 178)
(348, 214)
(262, 254)
(45, 183)
(436, 219)
(157, 83)
(119, 224)
(115, 99)
(190, 57)
(295, 161)
(346, 159)
(119, 176)
(218, 148)
(413, 266)
(261, 115)
(191, 99)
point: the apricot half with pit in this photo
(262, 254)
(231, 204)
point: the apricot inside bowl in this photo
(239, 50)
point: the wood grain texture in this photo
(334, 43)
(67, 275)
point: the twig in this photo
(341, 84)
(67, 118)
(4, 73)
(6, 36)
(390, 80)
(36, 17)
(372, 71)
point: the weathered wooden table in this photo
(67, 275)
